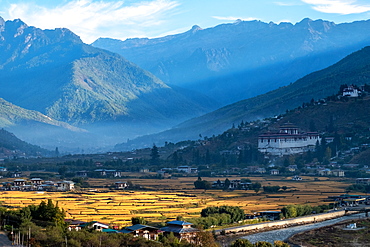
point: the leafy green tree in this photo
(241, 243)
(205, 239)
(262, 244)
(202, 184)
(279, 243)
(138, 220)
(256, 187)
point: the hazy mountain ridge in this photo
(354, 69)
(10, 142)
(229, 62)
(11, 115)
(53, 72)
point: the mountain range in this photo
(57, 91)
(236, 61)
(54, 73)
(353, 69)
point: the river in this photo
(284, 234)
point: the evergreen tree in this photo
(175, 158)
(154, 156)
(226, 184)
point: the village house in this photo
(337, 173)
(352, 92)
(65, 186)
(287, 141)
(19, 182)
(292, 168)
(120, 185)
(16, 174)
(144, 170)
(95, 225)
(260, 170)
(113, 173)
(324, 172)
(108, 173)
(181, 229)
(101, 172)
(82, 174)
(74, 224)
(36, 181)
(274, 172)
(185, 169)
(363, 181)
(138, 230)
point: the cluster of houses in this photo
(38, 184)
(233, 185)
(181, 229)
(100, 172)
(350, 200)
(165, 172)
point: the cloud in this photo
(233, 18)
(343, 7)
(92, 19)
(287, 4)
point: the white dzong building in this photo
(287, 141)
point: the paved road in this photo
(285, 233)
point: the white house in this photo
(120, 185)
(274, 172)
(97, 226)
(287, 141)
(186, 169)
(351, 91)
(36, 181)
(65, 185)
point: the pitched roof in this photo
(109, 230)
(139, 226)
(178, 229)
(179, 222)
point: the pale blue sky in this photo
(91, 19)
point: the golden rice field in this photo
(174, 197)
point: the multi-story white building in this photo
(287, 141)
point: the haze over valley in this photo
(57, 91)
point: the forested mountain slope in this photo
(354, 69)
(233, 62)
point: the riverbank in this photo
(270, 231)
(351, 232)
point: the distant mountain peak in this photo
(195, 28)
(237, 21)
(2, 24)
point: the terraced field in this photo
(174, 198)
